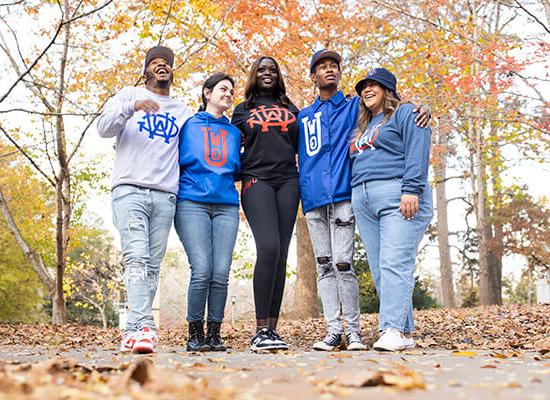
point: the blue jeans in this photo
(208, 233)
(143, 218)
(391, 243)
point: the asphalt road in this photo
(430, 374)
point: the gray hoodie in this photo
(146, 145)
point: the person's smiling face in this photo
(159, 70)
(373, 96)
(267, 77)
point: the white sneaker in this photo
(408, 342)
(146, 341)
(127, 341)
(392, 340)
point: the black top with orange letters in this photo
(270, 137)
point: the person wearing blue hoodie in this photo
(207, 211)
(391, 199)
(325, 129)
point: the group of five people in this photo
(361, 159)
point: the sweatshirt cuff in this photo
(411, 190)
(128, 109)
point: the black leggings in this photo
(270, 208)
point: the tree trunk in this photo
(494, 231)
(59, 314)
(475, 134)
(63, 192)
(103, 316)
(445, 266)
(306, 302)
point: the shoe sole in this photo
(266, 348)
(143, 349)
(378, 348)
(335, 348)
(352, 348)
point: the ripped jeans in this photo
(143, 218)
(331, 229)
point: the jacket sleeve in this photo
(416, 142)
(118, 110)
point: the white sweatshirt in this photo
(146, 145)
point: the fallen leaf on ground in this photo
(464, 353)
(543, 345)
(399, 377)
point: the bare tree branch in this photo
(27, 156)
(14, 3)
(48, 114)
(33, 64)
(538, 21)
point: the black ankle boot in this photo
(196, 340)
(213, 338)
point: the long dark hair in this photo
(251, 91)
(211, 82)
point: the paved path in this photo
(313, 375)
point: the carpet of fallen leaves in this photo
(492, 328)
(507, 328)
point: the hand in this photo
(149, 106)
(409, 205)
(424, 116)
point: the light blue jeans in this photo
(391, 243)
(143, 218)
(208, 233)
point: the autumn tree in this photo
(21, 293)
(94, 272)
(56, 113)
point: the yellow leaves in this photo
(464, 353)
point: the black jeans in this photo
(270, 208)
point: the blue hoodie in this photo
(326, 128)
(209, 160)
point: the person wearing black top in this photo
(270, 190)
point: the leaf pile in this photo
(493, 328)
(66, 379)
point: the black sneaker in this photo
(330, 342)
(280, 343)
(262, 341)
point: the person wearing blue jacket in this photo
(391, 199)
(325, 129)
(207, 211)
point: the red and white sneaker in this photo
(127, 341)
(146, 341)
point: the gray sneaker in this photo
(329, 343)
(355, 342)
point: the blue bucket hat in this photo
(381, 76)
(321, 54)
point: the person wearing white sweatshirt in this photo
(146, 123)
